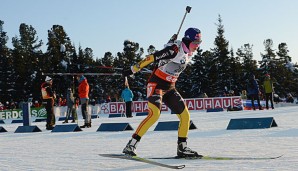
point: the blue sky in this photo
(104, 25)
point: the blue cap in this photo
(193, 34)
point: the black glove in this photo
(173, 38)
(127, 72)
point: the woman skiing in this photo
(171, 60)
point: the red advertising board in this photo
(192, 104)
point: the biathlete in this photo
(171, 61)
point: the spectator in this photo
(84, 98)
(36, 104)
(2, 107)
(12, 105)
(276, 98)
(20, 105)
(268, 90)
(64, 102)
(71, 107)
(60, 101)
(253, 92)
(93, 102)
(231, 93)
(244, 95)
(114, 98)
(127, 96)
(7, 106)
(77, 102)
(101, 100)
(108, 100)
(48, 97)
(289, 98)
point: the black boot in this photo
(50, 127)
(185, 152)
(131, 147)
(86, 125)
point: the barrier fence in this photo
(119, 107)
(193, 104)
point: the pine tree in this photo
(200, 74)
(248, 65)
(6, 68)
(268, 62)
(26, 55)
(221, 63)
(131, 55)
(57, 59)
(236, 75)
(287, 74)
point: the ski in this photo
(143, 160)
(220, 158)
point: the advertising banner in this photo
(18, 113)
(192, 104)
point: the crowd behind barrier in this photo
(194, 104)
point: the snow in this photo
(79, 150)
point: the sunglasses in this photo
(198, 41)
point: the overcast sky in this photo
(104, 25)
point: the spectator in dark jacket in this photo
(48, 97)
(289, 98)
(253, 91)
(71, 107)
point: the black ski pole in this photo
(188, 8)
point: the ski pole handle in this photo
(188, 8)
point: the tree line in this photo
(215, 71)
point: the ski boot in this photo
(185, 152)
(130, 148)
(86, 125)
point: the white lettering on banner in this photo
(217, 103)
(34, 113)
(138, 107)
(113, 108)
(2, 115)
(236, 101)
(199, 104)
(121, 108)
(8, 114)
(15, 114)
(226, 102)
(192, 104)
(208, 103)
(145, 106)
